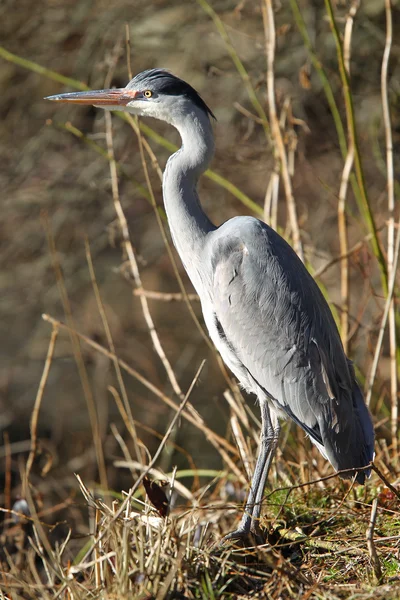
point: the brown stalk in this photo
(271, 199)
(115, 431)
(342, 224)
(172, 573)
(147, 429)
(128, 50)
(341, 257)
(391, 224)
(269, 27)
(286, 118)
(42, 538)
(97, 548)
(389, 298)
(165, 297)
(247, 113)
(375, 562)
(38, 401)
(154, 162)
(239, 410)
(244, 451)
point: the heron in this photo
(263, 310)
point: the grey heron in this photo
(263, 310)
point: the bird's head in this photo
(153, 93)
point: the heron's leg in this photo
(270, 429)
(269, 441)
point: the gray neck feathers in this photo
(188, 223)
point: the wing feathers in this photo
(278, 324)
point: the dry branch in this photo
(391, 224)
(39, 397)
(375, 562)
(165, 296)
(342, 225)
(269, 24)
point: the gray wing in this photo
(279, 326)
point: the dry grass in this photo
(77, 538)
(317, 533)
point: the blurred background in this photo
(55, 185)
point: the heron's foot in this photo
(243, 538)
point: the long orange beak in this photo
(117, 97)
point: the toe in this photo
(243, 538)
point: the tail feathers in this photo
(350, 444)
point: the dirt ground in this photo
(55, 184)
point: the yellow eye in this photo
(148, 94)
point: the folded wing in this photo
(281, 329)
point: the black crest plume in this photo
(163, 82)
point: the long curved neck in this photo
(188, 222)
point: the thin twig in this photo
(53, 564)
(135, 124)
(392, 283)
(165, 296)
(343, 243)
(271, 199)
(391, 227)
(269, 25)
(385, 480)
(375, 562)
(174, 420)
(247, 113)
(244, 451)
(348, 31)
(337, 259)
(341, 473)
(128, 50)
(121, 168)
(239, 410)
(39, 397)
(342, 225)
